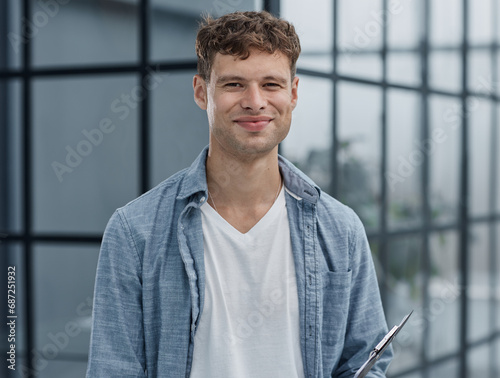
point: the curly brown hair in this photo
(235, 33)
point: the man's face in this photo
(249, 102)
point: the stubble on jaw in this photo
(251, 148)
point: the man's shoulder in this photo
(332, 210)
(329, 208)
(180, 185)
(158, 197)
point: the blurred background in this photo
(398, 117)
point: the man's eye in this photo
(272, 85)
(233, 85)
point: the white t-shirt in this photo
(250, 321)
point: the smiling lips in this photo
(253, 123)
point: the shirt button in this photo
(202, 199)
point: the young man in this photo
(239, 266)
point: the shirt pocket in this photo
(336, 287)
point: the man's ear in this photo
(200, 91)
(295, 91)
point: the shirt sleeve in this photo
(366, 320)
(117, 339)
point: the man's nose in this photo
(253, 98)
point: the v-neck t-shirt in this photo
(249, 326)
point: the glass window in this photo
(479, 287)
(85, 151)
(379, 269)
(445, 369)
(63, 369)
(309, 142)
(313, 23)
(174, 24)
(496, 81)
(179, 126)
(496, 361)
(445, 71)
(403, 68)
(357, 64)
(411, 375)
(314, 27)
(497, 288)
(359, 114)
(479, 361)
(445, 117)
(480, 75)
(14, 37)
(12, 217)
(168, 24)
(317, 61)
(481, 17)
(360, 38)
(450, 32)
(444, 295)
(405, 156)
(404, 26)
(84, 32)
(361, 24)
(63, 298)
(404, 293)
(497, 162)
(496, 18)
(480, 143)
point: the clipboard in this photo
(380, 348)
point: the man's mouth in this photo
(254, 124)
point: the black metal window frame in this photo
(27, 238)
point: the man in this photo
(239, 266)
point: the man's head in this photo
(246, 81)
(240, 32)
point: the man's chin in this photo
(258, 150)
(249, 145)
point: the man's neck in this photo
(242, 190)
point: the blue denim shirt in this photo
(150, 282)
